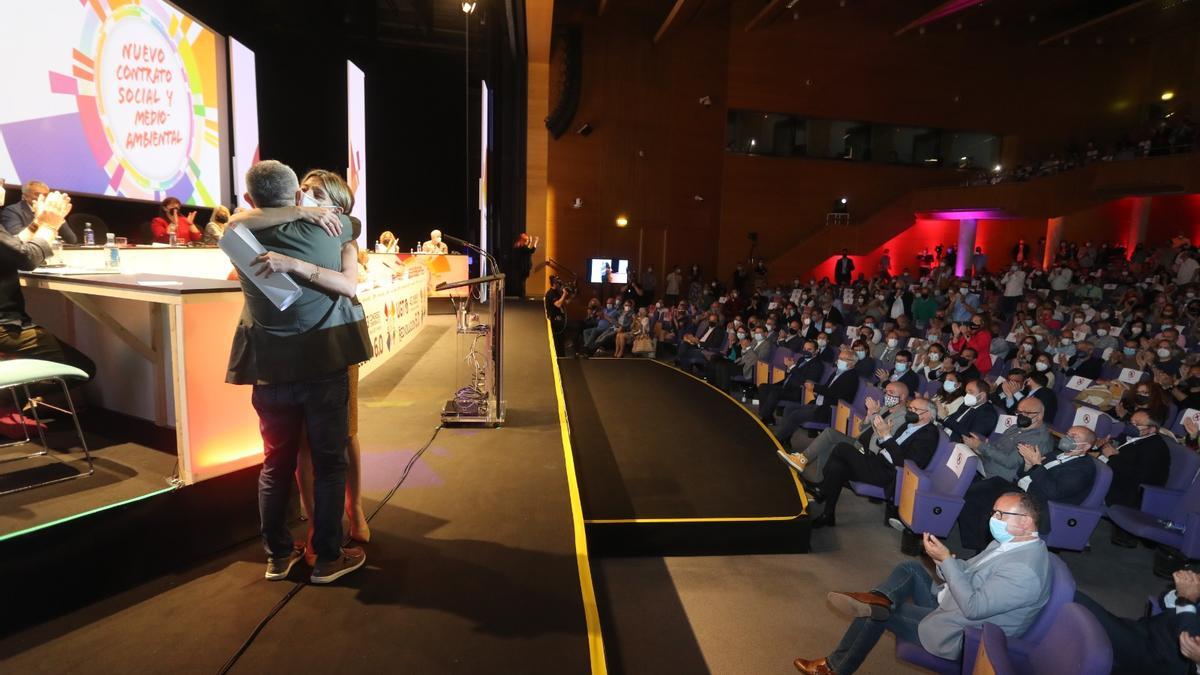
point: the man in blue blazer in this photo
(803, 367)
(976, 415)
(1066, 475)
(917, 440)
(840, 385)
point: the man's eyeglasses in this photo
(1000, 514)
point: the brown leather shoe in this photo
(873, 605)
(818, 667)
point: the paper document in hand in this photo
(242, 247)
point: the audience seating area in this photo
(1116, 348)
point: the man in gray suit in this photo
(1007, 585)
(1001, 457)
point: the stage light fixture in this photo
(997, 168)
(1167, 95)
(469, 7)
(622, 221)
(843, 200)
(578, 203)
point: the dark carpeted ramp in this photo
(668, 464)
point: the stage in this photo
(478, 562)
(670, 465)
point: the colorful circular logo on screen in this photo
(147, 99)
(144, 98)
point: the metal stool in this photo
(21, 373)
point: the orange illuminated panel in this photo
(216, 425)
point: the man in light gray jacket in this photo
(1007, 585)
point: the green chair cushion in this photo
(25, 371)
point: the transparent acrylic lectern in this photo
(478, 398)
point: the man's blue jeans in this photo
(317, 408)
(908, 587)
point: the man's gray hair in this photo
(272, 183)
(33, 187)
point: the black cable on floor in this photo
(301, 584)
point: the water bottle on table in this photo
(89, 235)
(112, 254)
(172, 238)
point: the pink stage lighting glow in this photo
(967, 214)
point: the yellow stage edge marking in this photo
(590, 610)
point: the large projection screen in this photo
(244, 99)
(356, 168)
(105, 97)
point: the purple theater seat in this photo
(1161, 507)
(1071, 525)
(1106, 426)
(991, 653)
(1062, 591)
(931, 499)
(877, 492)
(1075, 645)
(1161, 501)
(1065, 415)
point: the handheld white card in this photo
(243, 247)
(1190, 413)
(1004, 422)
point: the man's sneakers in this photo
(323, 572)
(796, 460)
(327, 572)
(280, 568)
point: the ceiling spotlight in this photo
(705, 101)
(1167, 95)
(698, 198)
(997, 168)
(962, 159)
(622, 221)
(843, 200)
(578, 203)
(469, 7)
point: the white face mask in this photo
(1042, 366)
(1163, 353)
(970, 400)
(307, 200)
(892, 342)
(1101, 332)
(949, 386)
(935, 357)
